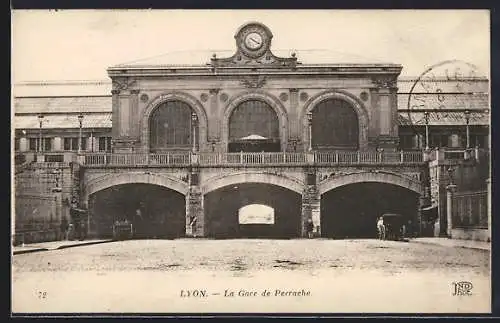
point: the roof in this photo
(60, 121)
(198, 58)
(62, 104)
(477, 84)
(62, 88)
(442, 118)
(470, 101)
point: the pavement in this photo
(53, 245)
(223, 276)
(456, 243)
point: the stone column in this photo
(195, 215)
(311, 205)
(134, 120)
(293, 117)
(213, 120)
(115, 130)
(450, 189)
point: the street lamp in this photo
(40, 121)
(426, 117)
(467, 131)
(309, 125)
(194, 119)
(80, 122)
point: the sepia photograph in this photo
(250, 161)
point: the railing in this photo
(250, 158)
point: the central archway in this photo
(253, 210)
(254, 121)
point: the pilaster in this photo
(195, 215)
(311, 204)
(213, 121)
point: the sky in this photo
(82, 44)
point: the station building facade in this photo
(193, 146)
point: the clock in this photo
(253, 41)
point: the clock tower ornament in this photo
(253, 43)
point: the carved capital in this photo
(213, 91)
(384, 83)
(123, 84)
(114, 92)
(135, 91)
(294, 90)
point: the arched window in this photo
(335, 125)
(254, 126)
(171, 126)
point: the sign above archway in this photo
(253, 43)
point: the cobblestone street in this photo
(301, 276)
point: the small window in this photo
(67, 144)
(104, 143)
(108, 145)
(84, 143)
(47, 144)
(33, 144)
(17, 144)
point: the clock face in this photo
(253, 41)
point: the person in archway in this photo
(64, 229)
(381, 228)
(138, 219)
(309, 228)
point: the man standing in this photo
(64, 229)
(381, 228)
(309, 228)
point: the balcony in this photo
(182, 159)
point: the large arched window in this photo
(335, 125)
(254, 126)
(171, 126)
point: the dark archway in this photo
(223, 211)
(351, 211)
(163, 210)
(171, 126)
(254, 127)
(335, 125)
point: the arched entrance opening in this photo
(162, 210)
(253, 210)
(254, 127)
(172, 126)
(335, 125)
(351, 211)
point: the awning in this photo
(254, 137)
(427, 208)
(61, 121)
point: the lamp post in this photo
(80, 122)
(40, 122)
(450, 190)
(309, 125)
(194, 119)
(467, 130)
(426, 117)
